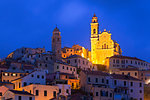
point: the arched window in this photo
(104, 46)
(94, 31)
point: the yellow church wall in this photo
(102, 46)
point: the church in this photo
(102, 46)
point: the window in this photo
(131, 61)
(13, 86)
(104, 47)
(30, 98)
(107, 94)
(83, 62)
(129, 73)
(46, 58)
(59, 90)
(63, 67)
(140, 91)
(70, 69)
(32, 75)
(131, 90)
(115, 82)
(101, 93)
(67, 91)
(140, 84)
(122, 73)
(19, 98)
(114, 61)
(96, 93)
(122, 61)
(67, 68)
(57, 67)
(19, 84)
(117, 61)
(45, 93)
(107, 81)
(75, 61)
(42, 77)
(38, 76)
(138, 63)
(94, 31)
(0, 93)
(96, 80)
(45, 65)
(131, 83)
(110, 94)
(89, 80)
(54, 94)
(141, 74)
(124, 83)
(72, 84)
(135, 73)
(37, 92)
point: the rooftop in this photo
(125, 57)
(20, 92)
(14, 70)
(96, 73)
(124, 77)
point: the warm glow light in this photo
(82, 55)
(6, 74)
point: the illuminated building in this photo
(102, 45)
(76, 50)
(42, 92)
(125, 61)
(106, 86)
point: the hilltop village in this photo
(74, 73)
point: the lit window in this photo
(6, 74)
(14, 74)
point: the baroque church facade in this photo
(102, 46)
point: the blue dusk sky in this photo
(29, 23)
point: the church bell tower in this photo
(94, 37)
(56, 43)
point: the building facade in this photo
(102, 46)
(125, 61)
